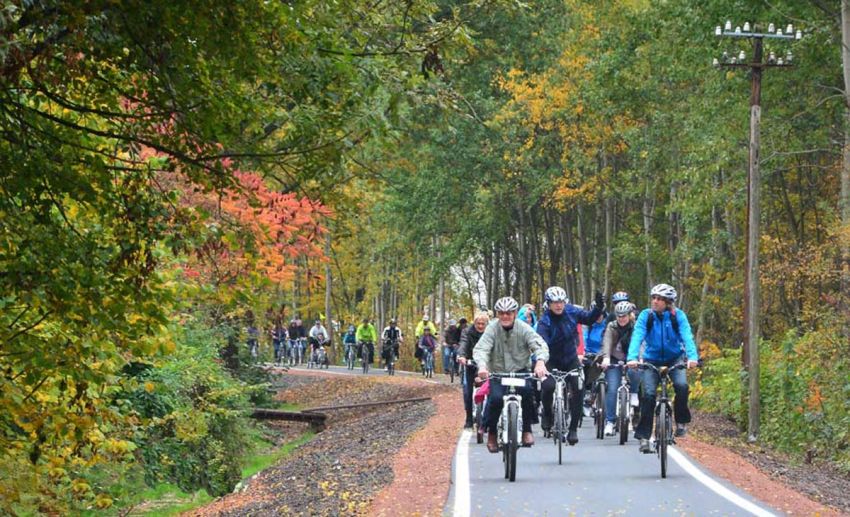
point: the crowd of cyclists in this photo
(567, 337)
(512, 339)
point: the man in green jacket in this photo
(506, 347)
(366, 334)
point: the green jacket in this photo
(367, 333)
(501, 351)
(420, 329)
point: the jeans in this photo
(278, 352)
(614, 376)
(449, 357)
(548, 388)
(649, 378)
(495, 403)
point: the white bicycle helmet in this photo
(623, 308)
(506, 304)
(619, 296)
(664, 291)
(556, 294)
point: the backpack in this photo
(674, 321)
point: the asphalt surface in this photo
(597, 477)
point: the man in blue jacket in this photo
(558, 328)
(667, 334)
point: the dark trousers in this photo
(548, 388)
(471, 372)
(495, 403)
(649, 384)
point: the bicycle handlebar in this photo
(646, 366)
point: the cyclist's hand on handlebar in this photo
(606, 362)
(462, 360)
(540, 370)
(483, 373)
(692, 364)
(581, 359)
(632, 364)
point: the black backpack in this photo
(674, 321)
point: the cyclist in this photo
(253, 332)
(350, 339)
(391, 337)
(366, 335)
(468, 339)
(619, 296)
(317, 337)
(417, 333)
(592, 345)
(426, 342)
(615, 348)
(451, 338)
(296, 331)
(558, 329)
(527, 314)
(666, 332)
(506, 346)
(279, 340)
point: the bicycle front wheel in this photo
(513, 419)
(663, 427)
(623, 415)
(600, 411)
(559, 426)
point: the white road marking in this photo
(716, 487)
(462, 494)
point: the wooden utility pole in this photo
(750, 355)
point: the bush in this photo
(804, 389)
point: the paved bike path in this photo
(597, 477)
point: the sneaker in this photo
(587, 411)
(609, 428)
(572, 437)
(644, 446)
(681, 430)
(634, 400)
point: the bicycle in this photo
(625, 411)
(428, 368)
(477, 408)
(453, 371)
(351, 356)
(509, 428)
(560, 407)
(364, 355)
(663, 414)
(388, 352)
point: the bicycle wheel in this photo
(451, 371)
(365, 358)
(623, 415)
(479, 424)
(512, 444)
(559, 426)
(661, 439)
(600, 411)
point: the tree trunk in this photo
(552, 247)
(584, 272)
(844, 204)
(328, 290)
(538, 253)
(609, 238)
(648, 209)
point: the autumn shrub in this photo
(192, 414)
(804, 391)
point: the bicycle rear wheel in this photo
(600, 411)
(451, 371)
(513, 418)
(623, 415)
(365, 358)
(560, 426)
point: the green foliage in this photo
(804, 390)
